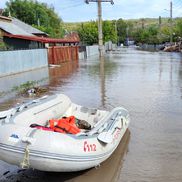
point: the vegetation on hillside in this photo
(151, 31)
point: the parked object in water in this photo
(23, 144)
(174, 48)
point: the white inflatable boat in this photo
(44, 149)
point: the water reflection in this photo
(60, 73)
(180, 76)
(102, 81)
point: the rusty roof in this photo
(44, 39)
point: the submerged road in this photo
(149, 85)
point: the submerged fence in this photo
(58, 55)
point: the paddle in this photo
(107, 136)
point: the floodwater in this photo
(149, 85)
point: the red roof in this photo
(43, 39)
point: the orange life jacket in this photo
(64, 125)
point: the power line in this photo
(71, 6)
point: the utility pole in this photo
(160, 22)
(171, 22)
(116, 30)
(143, 23)
(101, 47)
(100, 34)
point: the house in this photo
(10, 26)
(19, 35)
(31, 42)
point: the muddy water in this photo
(149, 85)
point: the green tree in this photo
(179, 27)
(40, 15)
(88, 33)
(147, 35)
(121, 30)
(164, 34)
(109, 31)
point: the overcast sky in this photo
(77, 10)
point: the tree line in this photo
(119, 31)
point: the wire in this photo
(71, 6)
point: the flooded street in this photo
(148, 84)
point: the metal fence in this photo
(12, 62)
(60, 54)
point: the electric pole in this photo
(100, 34)
(160, 21)
(171, 22)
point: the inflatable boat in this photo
(53, 134)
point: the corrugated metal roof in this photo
(9, 27)
(29, 29)
(42, 39)
(20, 30)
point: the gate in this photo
(60, 54)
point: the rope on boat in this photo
(28, 139)
(26, 163)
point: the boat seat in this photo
(84, 109)
(91, 111)
(95, 120)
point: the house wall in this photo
(15, 44)
(1, 33)
(94, 50)
(12, 62)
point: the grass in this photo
(24, 88)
